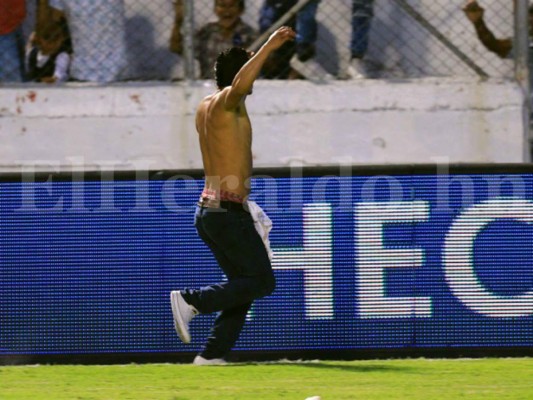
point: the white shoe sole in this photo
(181, 328)
(200, 361)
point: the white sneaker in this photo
(183, 313)
(311, 70)
(199, 360)
(357, 69)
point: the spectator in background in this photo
(48, 58)
(362, 13)
(97, 30)
(502, 47)
(12, 15)
(46, 16)
(474, 12)
(277, 65)
(213, 38)
(306, 30)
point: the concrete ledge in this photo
(365, 122)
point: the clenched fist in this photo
(473, 11)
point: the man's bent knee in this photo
(266, 284)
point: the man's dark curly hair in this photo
(228, 63)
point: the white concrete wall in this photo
(151, 126)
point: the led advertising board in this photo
(362, 261)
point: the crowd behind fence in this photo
(128, 40)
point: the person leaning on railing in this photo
(214, 37)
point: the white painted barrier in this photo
(151, 125)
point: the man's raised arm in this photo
(244, 80)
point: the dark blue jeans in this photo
(241, 254)
(306, 28)
(362, 13)
(11, 56)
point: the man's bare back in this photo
(226, 145)
(224, 128)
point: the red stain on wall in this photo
(135, 98)
(32, 96)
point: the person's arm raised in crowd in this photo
(474, 12)
(245, 78)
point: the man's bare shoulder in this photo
(214, 100)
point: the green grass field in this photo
(494, 378)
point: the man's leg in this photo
(362, 13)
(10, 57)
(277, 66)
(304, 62)
(306, 27)
(242, 256)
(306, 31)
(225, 332)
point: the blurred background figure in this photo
(49, 48)
(48, 58)
(97, 29)
(304, 61)
(362, 13)
(278, 64)
(227, 31)
(502, 47)
(475, 14)
(12, 15)
(306, 29)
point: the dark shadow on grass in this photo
(356, 368)
(327, 366)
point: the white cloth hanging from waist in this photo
(262, 223)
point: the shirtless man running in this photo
(221, 219)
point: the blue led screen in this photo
(361, 262)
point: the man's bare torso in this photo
(226, 145)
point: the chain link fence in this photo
(124, 40)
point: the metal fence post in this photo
(188, 40)
(522, 73)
